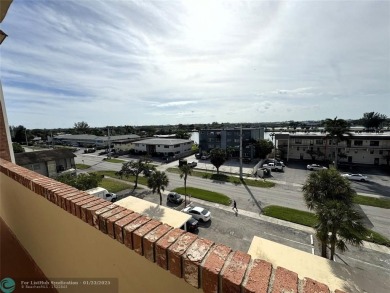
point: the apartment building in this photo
(164, 147)
(98, 141)
(360, 148)
(230, 139)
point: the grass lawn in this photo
(226, 178)
(114, 160)
(309, 219)
(372, 201)
(114, 186)
(141, 180)
(82, 166)
(205, 195)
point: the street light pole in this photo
(241, 152)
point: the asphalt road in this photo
(250, 198)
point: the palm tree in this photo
(135, 168)
(322, 187)
(338, 130)
(343, 225)
(185, 170)
(158, 181)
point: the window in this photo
(374, 143)
(297, 148)
(166, 146)
(298, 141)
(371, 152)
(381, 152)
(319, 141)
(358, 143)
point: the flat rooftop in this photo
(174, 218)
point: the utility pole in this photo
(109, 144)
(25, 134)
(241, 152)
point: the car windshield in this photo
(204, 212)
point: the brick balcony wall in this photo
(184, 261)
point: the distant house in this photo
(50, 163)
(164, 147)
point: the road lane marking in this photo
(311, 239)
(287, 239)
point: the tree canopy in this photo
(263, 147)
(217, 158)
(373, 120)
(158, 181)
(135, 168)
(82, 181)
(17, 148)
(331, 197)
(81, 127)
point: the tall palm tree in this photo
(343, 225)
(185, 170)
(158, 181)
(321, 188)
(337, 130)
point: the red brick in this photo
(258, 276)
(73, 202)
(111, 220)
(95, 214)
(312, 286)
(103, 218)
(118, 225)
(84, 207)
(233, 273)
(140, 233)
(212, 267)
(176, 251)
(150, 240)
(130, 228)
(84, 202)
(53, 194)
(192, 259)
(163, 244)
(68, 200)
(91, 210)
(285, 281)
(64, 196)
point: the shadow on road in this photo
(253, 198)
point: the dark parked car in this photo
(198, 155)
(174, 197)
(192, 225)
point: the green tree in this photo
(217, 158)
(158, 181)
(19, 134)
(134, 168)
(82, 181)
(314, 154)
(185, 170)
(331, 197)
(181, 134)
(81, 127)
(338, 130)
(263, 147)
(17, 148)
(372, 120)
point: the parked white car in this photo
(315, 167)
(356, 177)
(198, 213)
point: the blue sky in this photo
(167, 62)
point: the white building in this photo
(360, 148)
(164, 147)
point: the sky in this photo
(117, 62)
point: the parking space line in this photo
(362, 261)
(287, 239)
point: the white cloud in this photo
(158, 62)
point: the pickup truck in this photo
(274, 166)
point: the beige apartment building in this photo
(360, 148)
